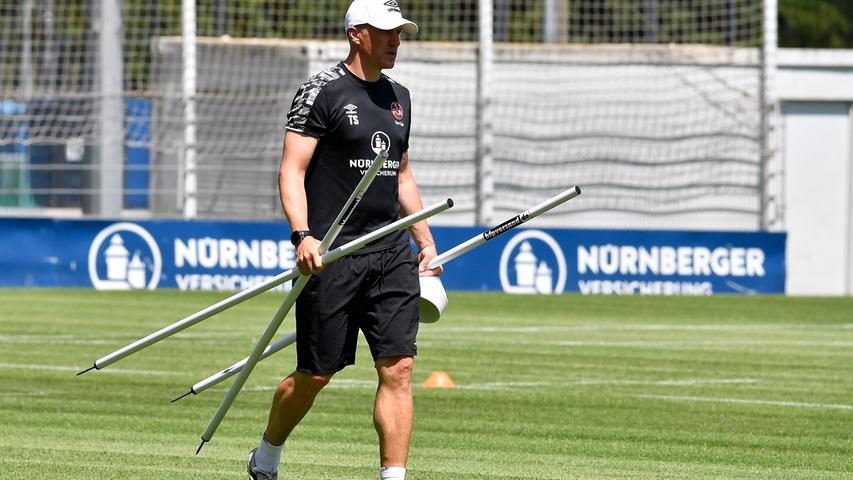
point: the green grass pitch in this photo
(558, 387)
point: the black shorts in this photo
(376, 292)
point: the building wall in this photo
(815, 88)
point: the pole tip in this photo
(182, 396)
(578, 189)
(93, 367)
(450, 203)
(203, 441)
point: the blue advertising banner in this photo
(198, 255)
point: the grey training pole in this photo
(265, 339)
(203, 314)
(513, 222)
(234, 369)
(331, 256)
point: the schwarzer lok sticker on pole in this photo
(433, 296)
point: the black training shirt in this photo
(353, 120)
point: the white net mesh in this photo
(654, 107)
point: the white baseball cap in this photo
(382, 14)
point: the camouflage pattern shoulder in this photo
(307, 93)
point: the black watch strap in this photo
(298, 235)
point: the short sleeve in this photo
(309, 110)
(408, 123)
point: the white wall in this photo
(816, 91)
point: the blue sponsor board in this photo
(621, 262)
(198, 255)
(189, 255)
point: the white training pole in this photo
(513, 222)
(221, 375)
(333, 255)
(237, 298)
(449, 255)
(289, 300)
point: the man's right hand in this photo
(308, 257)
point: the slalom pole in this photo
(289, 300)
(234, 369)
(333, 255)
(210, 311)
(504, 227)
(449, 255)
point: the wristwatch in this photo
(298, 235)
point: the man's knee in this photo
(302, 383)
(395, 371)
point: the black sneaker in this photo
(254, 472)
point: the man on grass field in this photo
(339, 120)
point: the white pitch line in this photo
(839, 406)
(23, 394)
(353, 383)
(661, 344)
(704, 343)
(637, 326)
(62, 368)
(335, 383)
(592, 382)
(680, 382)
(70, 338)
(505, 385)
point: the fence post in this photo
(554, 21)
(768, 110)
(188, 31)
(485, 177)
(111, 159)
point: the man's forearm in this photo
(294, 201)
(410, 202)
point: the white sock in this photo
(392, 473)
(268, 456)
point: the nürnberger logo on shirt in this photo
(380, 141)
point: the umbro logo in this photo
(351, 113)
(393, 6)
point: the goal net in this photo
(656, 108)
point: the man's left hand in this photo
(428, 253)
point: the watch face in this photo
(297, 237)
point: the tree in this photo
(816, 23)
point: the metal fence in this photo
(662, 110)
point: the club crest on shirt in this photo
(397, 112)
